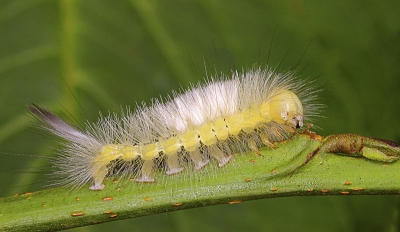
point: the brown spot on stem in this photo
(357, 189)
(274, 189)
(324, 190)
(113, 215)
(108, 198)
(235, 202)
(247, 180)
(345, 192)
(178, 204)
(347, 183)
(148, 199)
(77, 214)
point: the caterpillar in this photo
(210, 120)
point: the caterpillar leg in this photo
(173, 164)
(197, 159)
(97, 187)
(265, 140)
(219, 155)
(99, 174)
(146, 170)
(253, 146)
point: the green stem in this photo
(300, 166)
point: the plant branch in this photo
(300, 166)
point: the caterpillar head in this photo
(286, 108)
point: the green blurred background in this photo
(115, 53)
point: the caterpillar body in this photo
(212, 120)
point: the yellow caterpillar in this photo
(208, 121)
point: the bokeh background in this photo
(107, 54)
